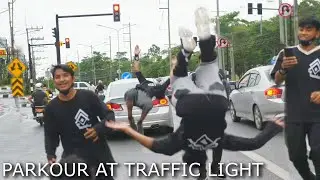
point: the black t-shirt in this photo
(69, 120)
(39, 98)
(300, 82)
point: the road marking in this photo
(8, 112)
(272, 167)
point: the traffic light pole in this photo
(57, 44)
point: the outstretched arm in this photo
(236, 143)
(168, 145)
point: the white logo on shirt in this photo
(314, 69)
(203, 143)
(82, 119)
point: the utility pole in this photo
(169, 33)
(129, 33)
(30, 56)
(79, 65)
(110, 59)
(93, 66)
(296, 19)
(10, 6)
(220, 61)
(282, 40)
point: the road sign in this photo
(16, 67)
(285, 10)
(72, 65)
(126, 75)
(17, 87)
(3, 52)
(222, 43)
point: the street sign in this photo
(285, 10)
(222, 43)
(17, 87)
(126, 75)
(3, 52)
(16, 67)
(72, 65)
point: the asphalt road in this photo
(21, 141)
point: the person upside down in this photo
(141, 96)
(205, 121)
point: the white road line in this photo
(5, 114)
(272, 167)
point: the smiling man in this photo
(74, 117)
(301, 71)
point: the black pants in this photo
(158, 90)
(191, 156)
(295, 135)
(33, 110)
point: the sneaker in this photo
(188, 43)
(202, 22)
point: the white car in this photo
(83, 85)
(256, 97)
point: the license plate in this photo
(40, 115)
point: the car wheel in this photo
(258, 121)
(233, 113)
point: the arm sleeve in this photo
(51, 134)
(140, 77)
(170, 144)
(103, 113)
(277, 65)
(236, 143)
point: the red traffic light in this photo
(116, 7)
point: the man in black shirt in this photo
(141, 96)
(38, 98)
(301, 72)
(77, 118)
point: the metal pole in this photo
(30, 63)
(286, 32)
(130, 42)
(58, 40)
(118, 52)
(79, 65)
(93, 66)
(261, 25)
(110, 59)
(296, 19)
(169, 34)
(282, 41)
(218, 33)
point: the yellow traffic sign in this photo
(3, 52)
(72, 65)
(16, 67)
(17, 87)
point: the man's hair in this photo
(64, 67)
(310, 22)
(44, 85)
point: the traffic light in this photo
(250, 7)
(116, 12)
(54, 32)
(67, 42)
(260, 8)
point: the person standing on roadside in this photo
(299, 67)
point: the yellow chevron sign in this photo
(72, 65)
(17, 87)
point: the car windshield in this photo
(120, 89)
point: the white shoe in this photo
(202, 21)
(186, 36)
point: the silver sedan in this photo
(159, 117)
(256, 97)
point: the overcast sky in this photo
(149, 23)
